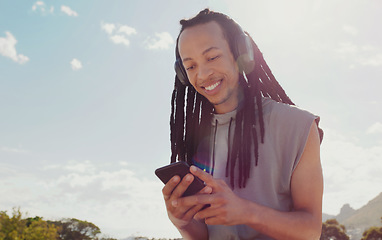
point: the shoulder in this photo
(284, 111)
(285, 114)
(287, 119)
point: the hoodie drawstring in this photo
(229, 146)
(213, 148)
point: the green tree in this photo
(332, 230)
(11, 227)
(373, 233)
(17, 228)
(40, 229)
(74, 229)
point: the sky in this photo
(85, 90)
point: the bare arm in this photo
(304, 222)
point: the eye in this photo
(190, 67)
(213, 58)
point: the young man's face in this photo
(210, 65)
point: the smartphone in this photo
(181, 169)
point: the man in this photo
(260, 154)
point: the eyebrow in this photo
(203, 53)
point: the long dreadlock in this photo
(191, 123)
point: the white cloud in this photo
(350, 30)
(119, 201)
(347, 48)
(123, 163)
(375, 128)
(80, 167)
(67, 10)
(8, 49)
(108, 27)
(318, 46)
(41, 7)
(123, 32)
(120, 39)
(373, 61)
(161, 40)
(365, 55)
(38, 5)
(127, 30)
(76, 64)
(12, 150)
(351, 171)
(368, 47)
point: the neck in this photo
(230, 106)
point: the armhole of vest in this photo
(304, 140)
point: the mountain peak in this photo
(345, 212)
(365, 217)
(346, 208)
(356, 221)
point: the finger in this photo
(204, 176)
(182, 186)
(191, 203)
(169, 187)
(192, 211)
(180, 212)
(199, 199)
(205, 190)
(213, 221)
(208, 212)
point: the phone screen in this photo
(181, 169)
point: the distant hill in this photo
(356, 221)
(367, 216)
(345, 212)
(327, 216)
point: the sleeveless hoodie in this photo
(286, 132)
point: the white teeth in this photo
(212, 87)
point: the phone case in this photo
(181, 169)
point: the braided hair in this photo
(191, 113)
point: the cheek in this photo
(235, 73)
(193, 83)
(197, 89)
(235, 68)
(191, 79)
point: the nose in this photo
(204, 72)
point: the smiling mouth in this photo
(213, 86)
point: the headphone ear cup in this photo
(245, 58)
(181, 72)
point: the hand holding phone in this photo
(181, 169)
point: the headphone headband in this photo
(181, 72)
